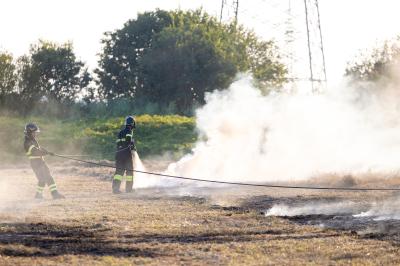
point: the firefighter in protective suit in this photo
(123, 157)
(35, 154)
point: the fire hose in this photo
(224, 182)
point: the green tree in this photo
(181, 66)
(51, 73)
(8, 77)
(175, 57)
(118, 72)
(379, 64)
(265, 64)
(29, 88)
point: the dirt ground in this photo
(182, 225)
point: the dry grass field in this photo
(180, 225)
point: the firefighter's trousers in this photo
(123, 164)
(43, 175)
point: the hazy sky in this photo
(347, 25)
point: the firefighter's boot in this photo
(57, 195)
(129, 183)
(129, 186)
(39, 192)
(54, 192)
(115, 186)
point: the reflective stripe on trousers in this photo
(118, 177)
(53, 187)
(39, 189)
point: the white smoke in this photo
(15, 195)
(386, 210)
(142, 180)
(245, 136)
(331, 208)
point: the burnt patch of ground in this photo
(315, 209)
(46, 240)
(365, 227)
(210, 237)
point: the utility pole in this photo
(236, 8)
(302, 45)
(223, 3)
(229, 8)
(315, 46)
(289, 39)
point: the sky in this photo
(348, 26)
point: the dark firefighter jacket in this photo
(32, 148)
(125, 142)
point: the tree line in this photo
(380, 64)
(162, 61)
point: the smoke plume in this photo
(245, 136)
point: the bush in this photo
(155, 134)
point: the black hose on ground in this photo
(231, 183)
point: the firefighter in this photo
(35, 154)
(123, 157)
